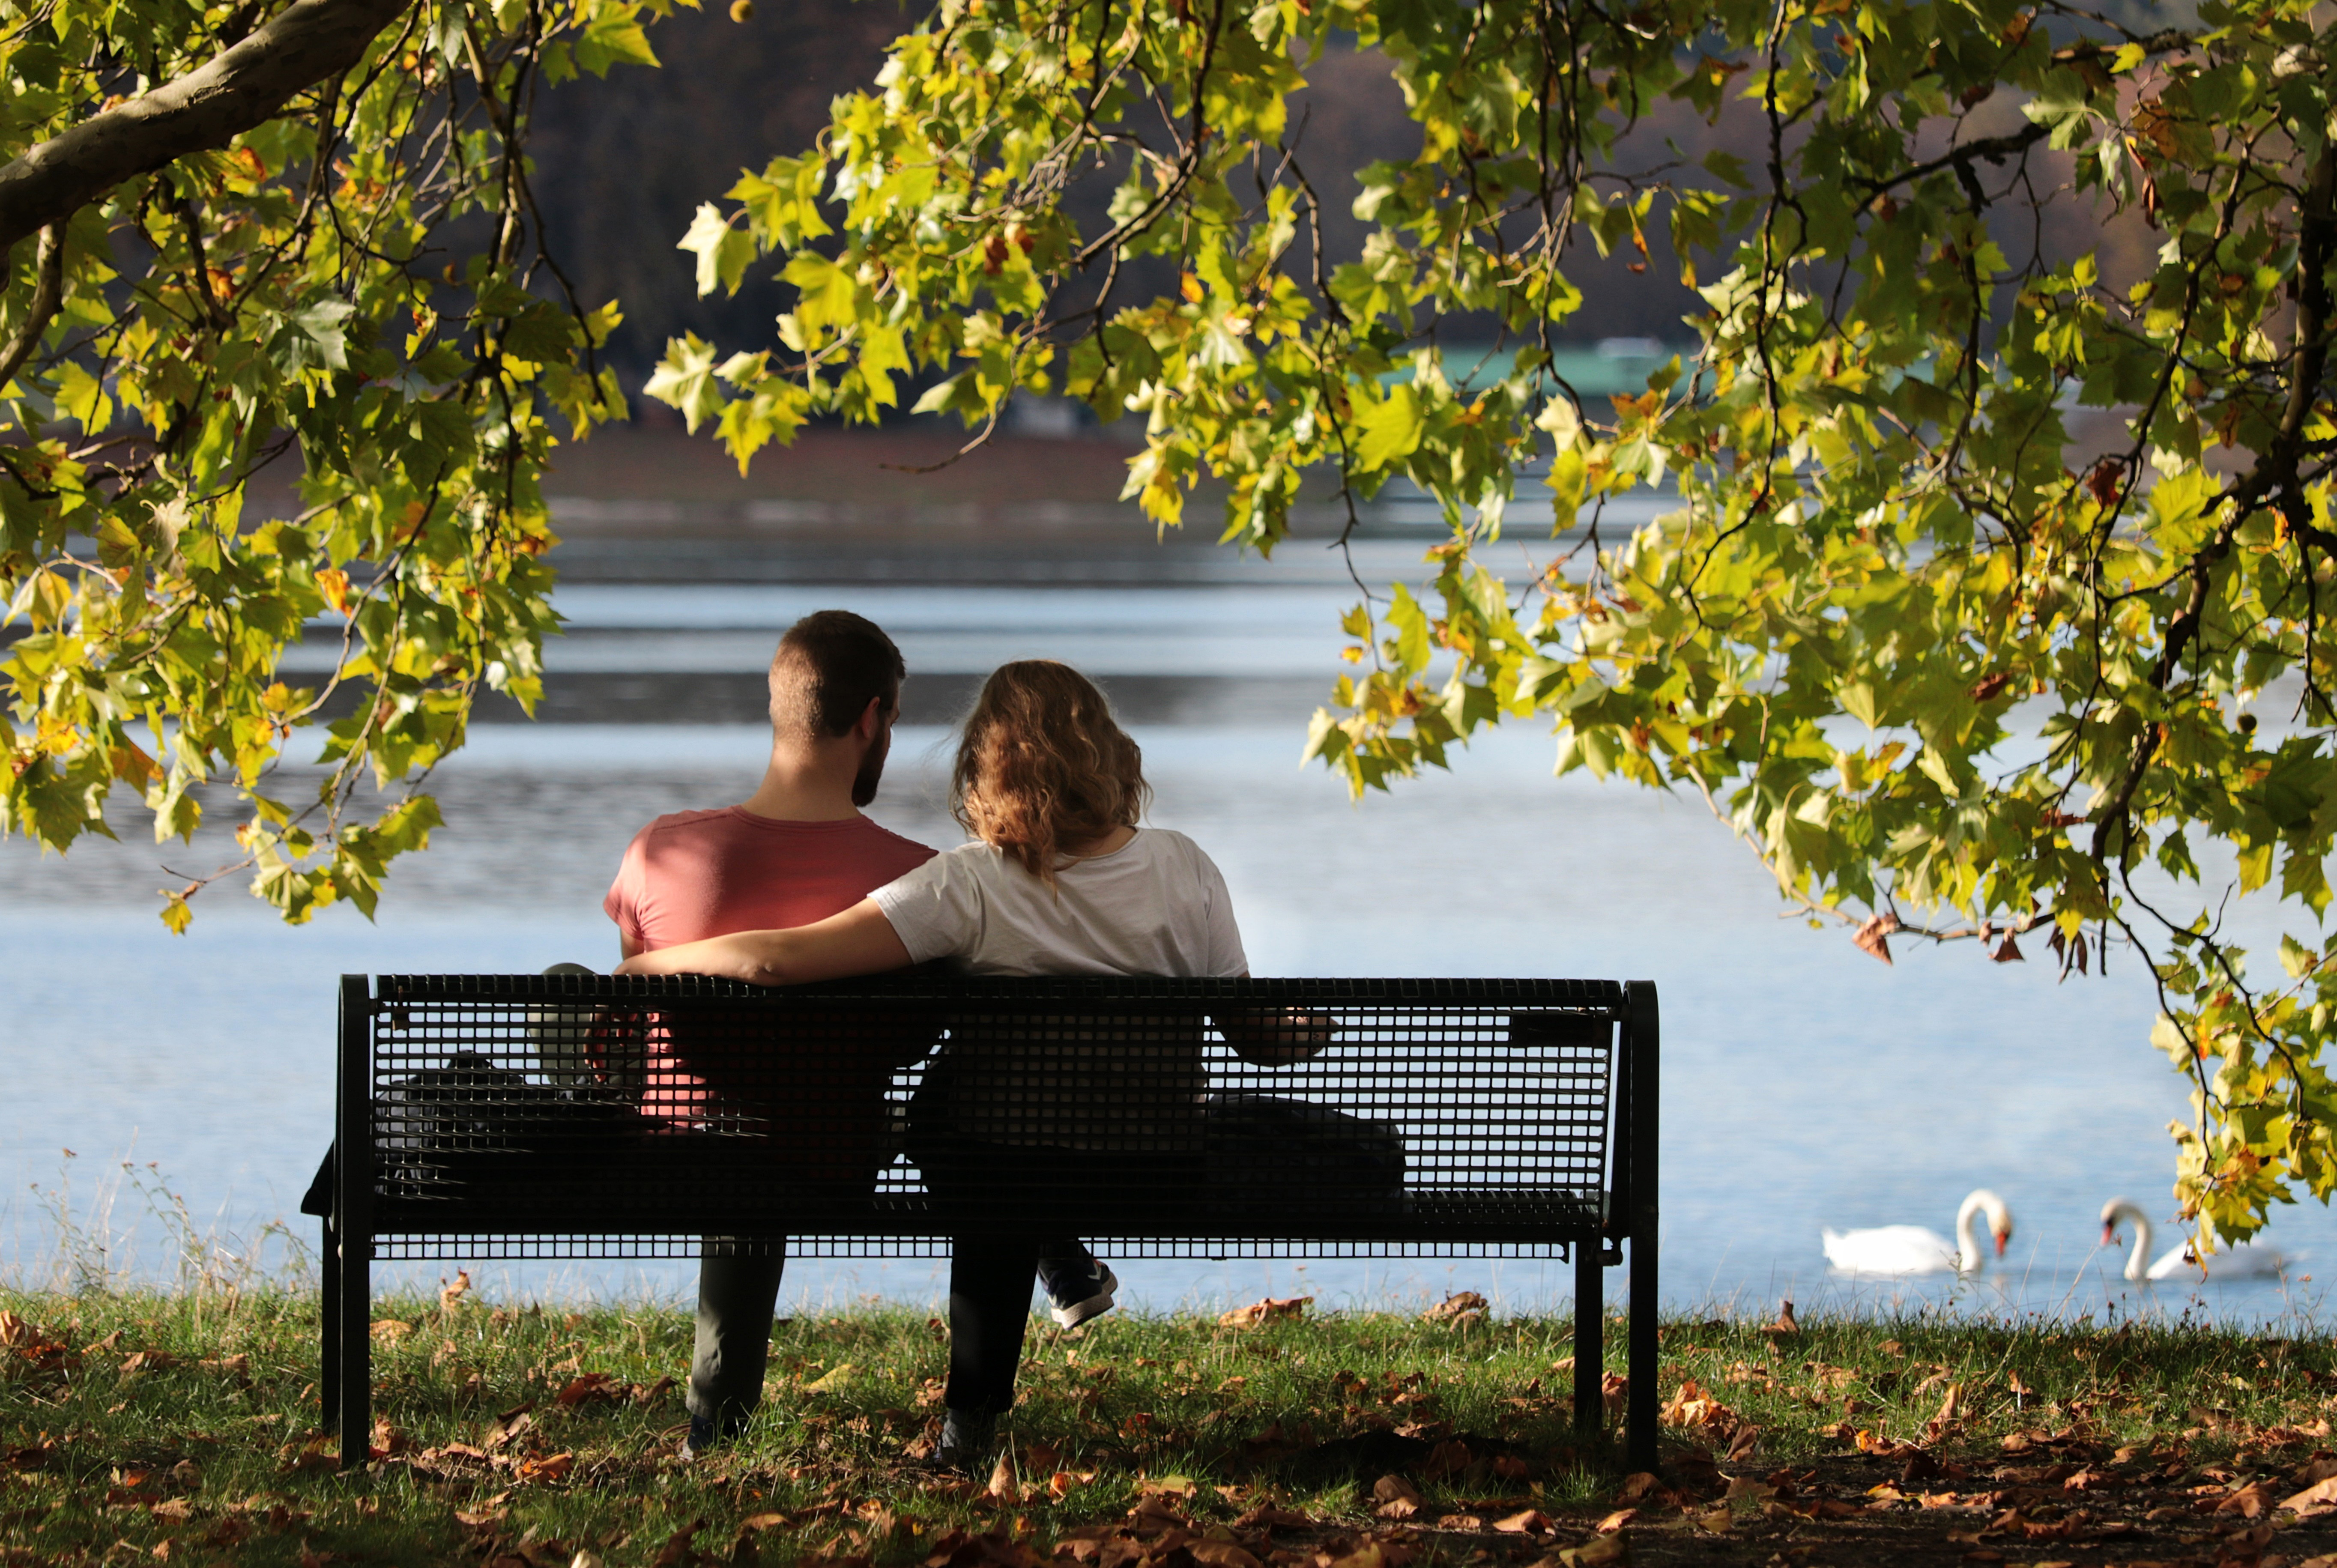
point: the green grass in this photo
(183, 1427)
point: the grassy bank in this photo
(183, 1429)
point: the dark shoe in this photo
(1079, 1287)
(705, 1434)
(964, 1446)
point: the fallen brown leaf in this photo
(1219, 1554)
(549, 1469)
(1397, 1498)
(677, 1548)
(1460, 1308)
(2248, 1502)
(1692, 1406)
(2316, 1500)
(592, 1388)
(1265, 1312)
(1597, 1553)
(508, 1425)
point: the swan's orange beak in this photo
(2109, 1234)
(2002, 1238)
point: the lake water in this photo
(1804, 1084)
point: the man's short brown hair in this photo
(830, 665)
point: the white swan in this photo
(1913, 1249)
(2240, 1260)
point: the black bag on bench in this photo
(470, 1119)
(1268, 1156)
(465, 1121)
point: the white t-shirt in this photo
(1155, 906)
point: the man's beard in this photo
(872, 770)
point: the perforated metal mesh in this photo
(575, 1116)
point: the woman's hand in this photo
(1275, 1038)
(859, 941)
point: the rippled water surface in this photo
(1805, 1084)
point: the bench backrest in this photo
(1176, 1115)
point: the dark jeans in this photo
(1011, 1206)
(737, 1297)
(990, 1278)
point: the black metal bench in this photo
(533, 1117)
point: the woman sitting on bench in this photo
(1049, 1124)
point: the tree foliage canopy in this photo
(299, 247)
(1995, 601)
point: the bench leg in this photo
(357, 1351)
(1645, 1221)
(329, 1332)
(350, 1268)
(1590, 1339)
(1641, 1347)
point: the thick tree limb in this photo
(48, 289)
(309, 42)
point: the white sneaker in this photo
(1079, 1292)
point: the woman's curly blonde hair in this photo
(1043, 765)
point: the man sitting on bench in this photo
(796, 850)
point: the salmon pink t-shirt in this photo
(811, 1095)
(699, 874)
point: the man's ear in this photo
(871, 722)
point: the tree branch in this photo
(245, 86)
(1960, 157)
(48, 289)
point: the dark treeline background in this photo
(622, 164)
